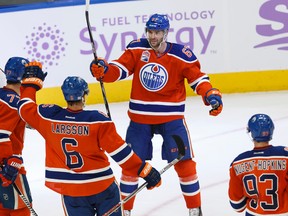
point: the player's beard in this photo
(155, 43)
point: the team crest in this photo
(153, 77)
(5, 196)
(145, 56)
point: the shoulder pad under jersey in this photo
(244, 155)
(271, 151)
(49, 110)
(142, 42)
(183, 52)
(55, 112)
(10, 97)
(280, 151)
(94, 115)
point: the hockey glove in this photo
(213, 98)
(10, 170)
(150, 174)
(33, 75)
(98, 70)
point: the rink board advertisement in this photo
(230, 40)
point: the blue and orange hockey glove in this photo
(151, 175)
(213, 97)
(33, 75)
(10, 169)
(98, 70)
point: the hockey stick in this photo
(24, 199)
(181, 153)
(95, 56)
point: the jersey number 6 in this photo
(73, 158)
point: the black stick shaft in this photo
(25, 200)
(96, 58)
(181, 153)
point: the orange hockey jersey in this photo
(158, 91)
(76, 142)
(12, 127)
(259, 182)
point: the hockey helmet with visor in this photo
(261, 127)
(74, 88)
(14, 69)
(158, 22)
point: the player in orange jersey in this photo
(77, 140)
(12, 129)
(157, 101)
(259, 177)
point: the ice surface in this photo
(216, 142)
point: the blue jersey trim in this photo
(122, 154)
(4, 92)
(156, 108)
(59, 3)
(269, 151)
(76, 176)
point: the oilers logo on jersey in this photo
(153, 77)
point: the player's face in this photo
(155, 38)
(84, 100)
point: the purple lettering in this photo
(125, 40)
(205, 39)
(185, 36)
(270, 11)
(83, 38)
(191, 37)
(108, 47)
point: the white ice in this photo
(216, 142)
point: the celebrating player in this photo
(259, 177)
(76, 141)
(157, 102)
(12, 129)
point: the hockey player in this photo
(76, 141)
(157, 102)
(12, 129)
(259, 177)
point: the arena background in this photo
(243, 49)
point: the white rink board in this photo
(222, 34)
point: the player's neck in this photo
(261, 144)
(161, 49)
(15, 87)
(74, 107)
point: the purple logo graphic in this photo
(46, 45)
(276, 12)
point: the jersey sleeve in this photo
(9, 118)
(120, 69)
(235, 192)
(117, 148)
(28, 109)
(188, 63)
